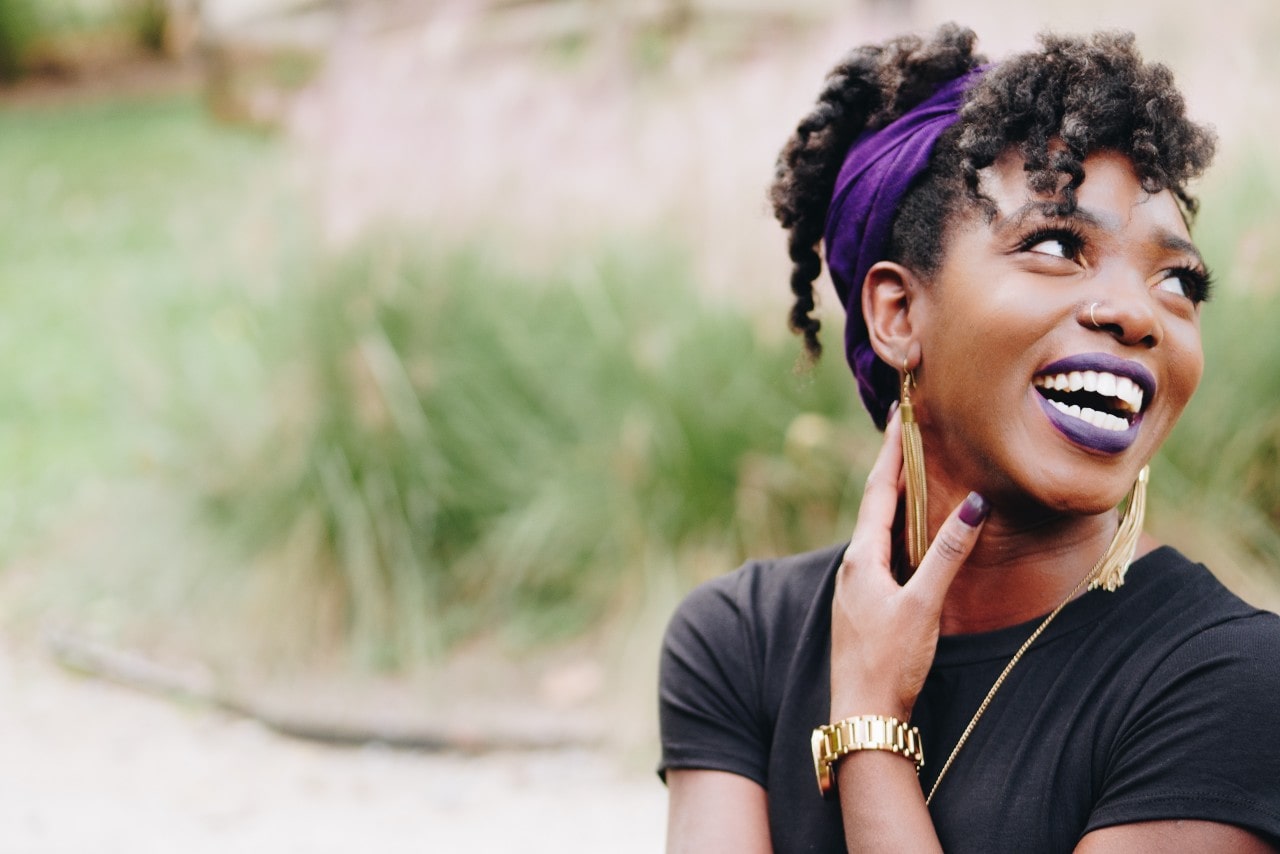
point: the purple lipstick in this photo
(1096, 400)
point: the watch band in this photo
(864, 732)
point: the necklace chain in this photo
(1108, 572)
(1017, 656)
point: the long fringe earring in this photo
(913, 464)
(1116, 559)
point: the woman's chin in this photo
(1045, 501)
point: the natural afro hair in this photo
(1054, 106)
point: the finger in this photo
(949, 550)
(871, 543)
(880, 497)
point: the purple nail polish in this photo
(974, 510)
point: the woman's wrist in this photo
(833, 742)
(854, 703)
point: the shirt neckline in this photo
(956, 650)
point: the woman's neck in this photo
(1021, 568)
(1014, 576)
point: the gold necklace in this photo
(1017, 656)
(1113, 564)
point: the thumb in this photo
(949, 549)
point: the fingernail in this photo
(893, 407)
(974, 510)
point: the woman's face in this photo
(1020, 394)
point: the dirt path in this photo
(89, 766)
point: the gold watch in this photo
(864, 732)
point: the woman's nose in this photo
(1127, 312)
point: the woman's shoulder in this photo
(1196, 624)
(1168, 579)
(757, 617)
(726, 657)
(1193, 702)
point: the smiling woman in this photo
(1011, 245)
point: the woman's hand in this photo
(884, 634)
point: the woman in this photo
(1011, 246)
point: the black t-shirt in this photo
(1158, 701)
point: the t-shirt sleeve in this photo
(709, 691)
(1201, 741)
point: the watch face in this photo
(821, 766)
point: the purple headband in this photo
(880, 166)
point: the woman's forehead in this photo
(1110, 197)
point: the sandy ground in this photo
(92, 767)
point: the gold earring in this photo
(1116, 559)
(913, 463)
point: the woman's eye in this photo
(1054, 245)
(1174, 283)
(1193, 284)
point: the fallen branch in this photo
(197, 686)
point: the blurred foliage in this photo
(68, 36)
(463, 446)
(149, 20)
(19, 25)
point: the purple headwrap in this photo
(880, 166)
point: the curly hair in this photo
(1054, 106)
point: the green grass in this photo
(467, 448)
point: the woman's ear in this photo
(887, 294)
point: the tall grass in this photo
(466, 447)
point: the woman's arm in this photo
(715, 812)
(883, 639)
(720, 813)
(1172, 837)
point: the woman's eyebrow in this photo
(1017, 218)
(1168, 240)
(1175, 243)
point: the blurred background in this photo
(382, 373)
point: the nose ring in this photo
(1092, 319)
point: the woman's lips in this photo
(1096, 400)
(1090, 435)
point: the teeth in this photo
(1124, 390)
(1130, 392)
(1102, 420)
